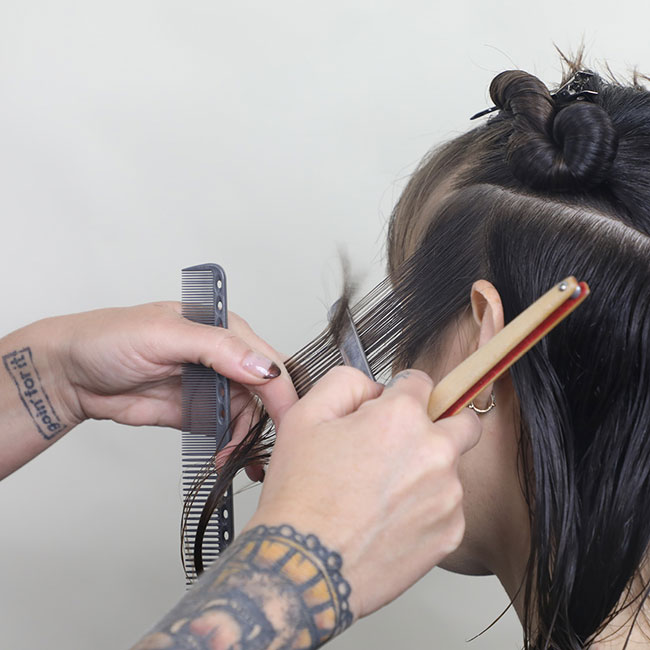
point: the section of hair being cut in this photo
(541, 189)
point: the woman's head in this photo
(557, 492)
(551, 186)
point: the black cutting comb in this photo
(206, 427)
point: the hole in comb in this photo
(222, 391)
(220, 305)
(219, 284)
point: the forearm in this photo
(33, 412)
(274, 588)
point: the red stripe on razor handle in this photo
(490, 361)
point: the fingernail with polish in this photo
(260, 366)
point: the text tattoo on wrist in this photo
(273, 588)
(20, 365)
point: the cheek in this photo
(452, 346)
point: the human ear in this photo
(487, 311)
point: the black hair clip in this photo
(573, 89)
(485, 112)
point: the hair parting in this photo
(541, 190)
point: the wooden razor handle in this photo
(490, 361)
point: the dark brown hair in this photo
(540, 191)
(544, 189)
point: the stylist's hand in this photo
(368, 473)
(124, 364)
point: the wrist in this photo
(354, 537)
(43, 380)
(325, 551)
(34, 402)
(308, 570)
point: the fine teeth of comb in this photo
(206, 420)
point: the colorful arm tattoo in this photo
(273, 588)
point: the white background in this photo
(137, 138)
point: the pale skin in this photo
(497, 538)
(464, 502)
(306, 565)
(124, 364)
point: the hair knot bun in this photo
(553, 147)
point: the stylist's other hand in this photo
(366, 471)
(124, 364)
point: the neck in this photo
(507, 550)
(510, 568)
(625, 631)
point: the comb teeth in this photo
(206, 421)
(204, 295)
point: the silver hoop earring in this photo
(490, 406)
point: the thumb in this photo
(237, 353)
(463, 429)
(340, 392)
(219, 349)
